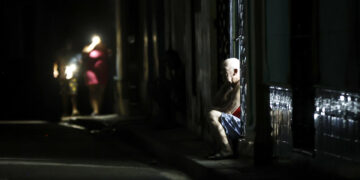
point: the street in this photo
(42, 150)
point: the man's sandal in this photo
(220, 155)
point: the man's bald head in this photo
(232, 70)
(232, 62)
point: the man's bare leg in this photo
(225, 145)
(75, 110)
(94, 99)
(101, 90)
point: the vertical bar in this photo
(303, 54)
(263, 143)
(193, 6)
(155, 39)
(119, 58)
(231, 15)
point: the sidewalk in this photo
(184, 150)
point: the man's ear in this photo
(235, 71)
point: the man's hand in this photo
(56, 72)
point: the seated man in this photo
(225, 115)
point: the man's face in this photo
(227, 73)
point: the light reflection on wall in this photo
(281, 116)
(336, 118)
(337, 124)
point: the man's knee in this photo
(214, 115)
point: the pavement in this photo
(46, 150)
(184, 150)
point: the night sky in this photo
(34, 31)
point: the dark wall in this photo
(339, 44)
(34, 31)
(311, 44)
(337, 25)
(277, 42)
(18, 92)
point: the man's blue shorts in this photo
(234, 127)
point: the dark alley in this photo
(191, 89)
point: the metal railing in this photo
(336, 119)
(337, 124)
(281, 117)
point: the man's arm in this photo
(235, 100)
(220, 96)
(231, 100)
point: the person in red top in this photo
(225, 116)
(96, 72)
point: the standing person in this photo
(224, 118)
(96, 72)
(66, 70)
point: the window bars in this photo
(238, 45)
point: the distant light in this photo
(69, 70)
(96, 39)
(342, 98)
(316, 115)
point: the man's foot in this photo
(221, 155)
(75, 113)
(94, 113)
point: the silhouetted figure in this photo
(170, 90)
(66, 70)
